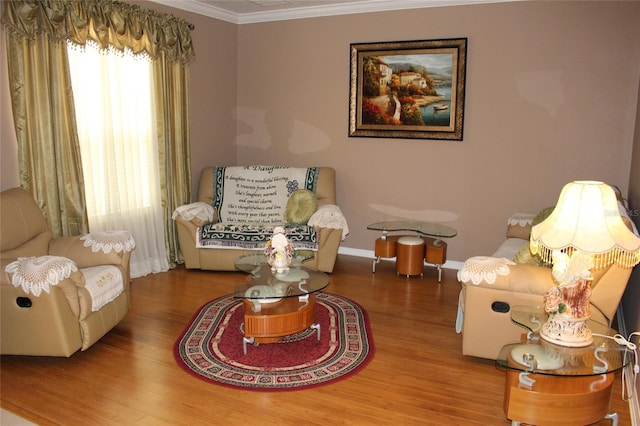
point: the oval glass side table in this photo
(549, 384)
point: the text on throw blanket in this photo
(258, 194)
(255, 198)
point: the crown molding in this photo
(314, 11)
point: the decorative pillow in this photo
(524, 256)
(302, 204)
(542, 215)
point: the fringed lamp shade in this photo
(587, 218)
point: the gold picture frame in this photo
(408, 89)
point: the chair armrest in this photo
(506, 275)
(103, 249)
(191, 227)
(329, 216)
(198, 213)
(68, 283)
(36, 276)
(328, 244)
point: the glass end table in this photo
(432, 234)
(553, 384)
(277, 304)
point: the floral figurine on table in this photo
(279, 251)
(568, 302)
(573, 275)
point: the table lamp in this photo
(584, 234)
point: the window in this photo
(115, 116)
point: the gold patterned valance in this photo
(107, 22)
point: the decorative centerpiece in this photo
(279, 251)
(568, 303)
(583, 234)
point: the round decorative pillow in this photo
(542, 215)
(300, 206)
(524, 256)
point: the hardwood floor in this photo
(418, 374)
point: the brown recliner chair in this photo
(57, 295)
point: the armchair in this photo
(57, 295)
(492, 285)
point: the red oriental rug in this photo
(210, 348)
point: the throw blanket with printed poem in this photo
(250, 201)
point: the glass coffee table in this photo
(277, 304)
(548, 383)
(431, 233)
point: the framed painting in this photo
(408, 89)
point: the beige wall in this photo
(552, 92)
(551, 97)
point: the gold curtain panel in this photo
(107, 22)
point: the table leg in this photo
(435, 253)
(316, 327)
(246, 340)
(375, 262)
(613, 417)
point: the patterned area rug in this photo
(210, 348)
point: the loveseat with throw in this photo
(57, 295)
(492, 285)
(238, 207)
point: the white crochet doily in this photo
(37, 274)
(198, 209)
(109, 240)
(521, 219)
(483, 268)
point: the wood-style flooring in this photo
(417, 377)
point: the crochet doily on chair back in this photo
(109, 240)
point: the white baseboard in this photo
(449, 264)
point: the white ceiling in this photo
(253, 11)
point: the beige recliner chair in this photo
(57, 295)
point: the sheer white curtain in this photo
(114, 103)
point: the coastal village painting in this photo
(408, 89)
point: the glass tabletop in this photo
(545, 358)
(536, 355)
(266, 285)
(424, 228)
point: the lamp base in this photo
(567, 331)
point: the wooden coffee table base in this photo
(276, 320)
(554, 400)
(435, 251)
